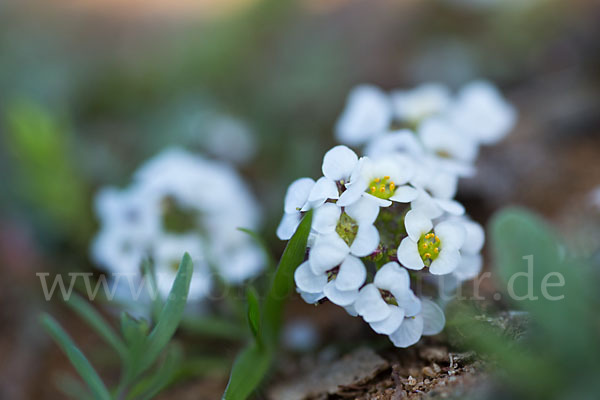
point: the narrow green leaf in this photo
(252, 364)
(254, 313)
(157, 303)
(161, 377)
(170, 315)
(248, 371)
(79, 361)
(95, 320)
(283, 281)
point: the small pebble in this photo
(428, 371)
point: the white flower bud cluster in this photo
(383, 219)
(180, 202)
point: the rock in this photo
(353, 369)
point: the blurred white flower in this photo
(453, 151)
(481, 113)
(180, 202)
(229, 139)
(413, 106)
(368, 113)
(167, 255)
(436, 247)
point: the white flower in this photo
(429, 172)
(435, 247)
(434, 207)
(481, 113)
(471, 260)
(295, 199)
(229, 139)
(339, 284)
(367, 114)
(385, 302)
(354, 226)
(180, 202)
(430, 321)
(399, 141)
(382, 180)
(338, 165)
(454, 151)
(333, 268)
(415, 105)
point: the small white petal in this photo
(408, 254)
(338, 163)
(370, 305)
(363, 211)
(297, 194)
(433, 318)
(352, 274)
(451, 206)
(426, 204)
(368, 113)
(409, 302)
(391, 323)
(351, 310)
(451, 233)
(469, 267)
(366, 241)
(353, 193)
(324, 188)
(326, 218)
(311, 298)
(288, 225)
(409, 333)
(340, 297)
(446, 262)
(404, 194)
(380, 202)
(417, 223)
(307, 281)
(328, 252)
(474, 239)
(392, 277)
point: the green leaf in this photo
(253, 363)
(95, 320)
(254, 313)
(76, 357)
(170, 315)
(157, 303)
(248, 371)
(283, 281)
(161, 378)
(527, 253)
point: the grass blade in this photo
(79, 361)
(95, 320)
(170, 315)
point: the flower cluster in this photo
(180, 202)
(385, 219)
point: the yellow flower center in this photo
(383, 188)
(429, 247)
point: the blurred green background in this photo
(89, 90)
